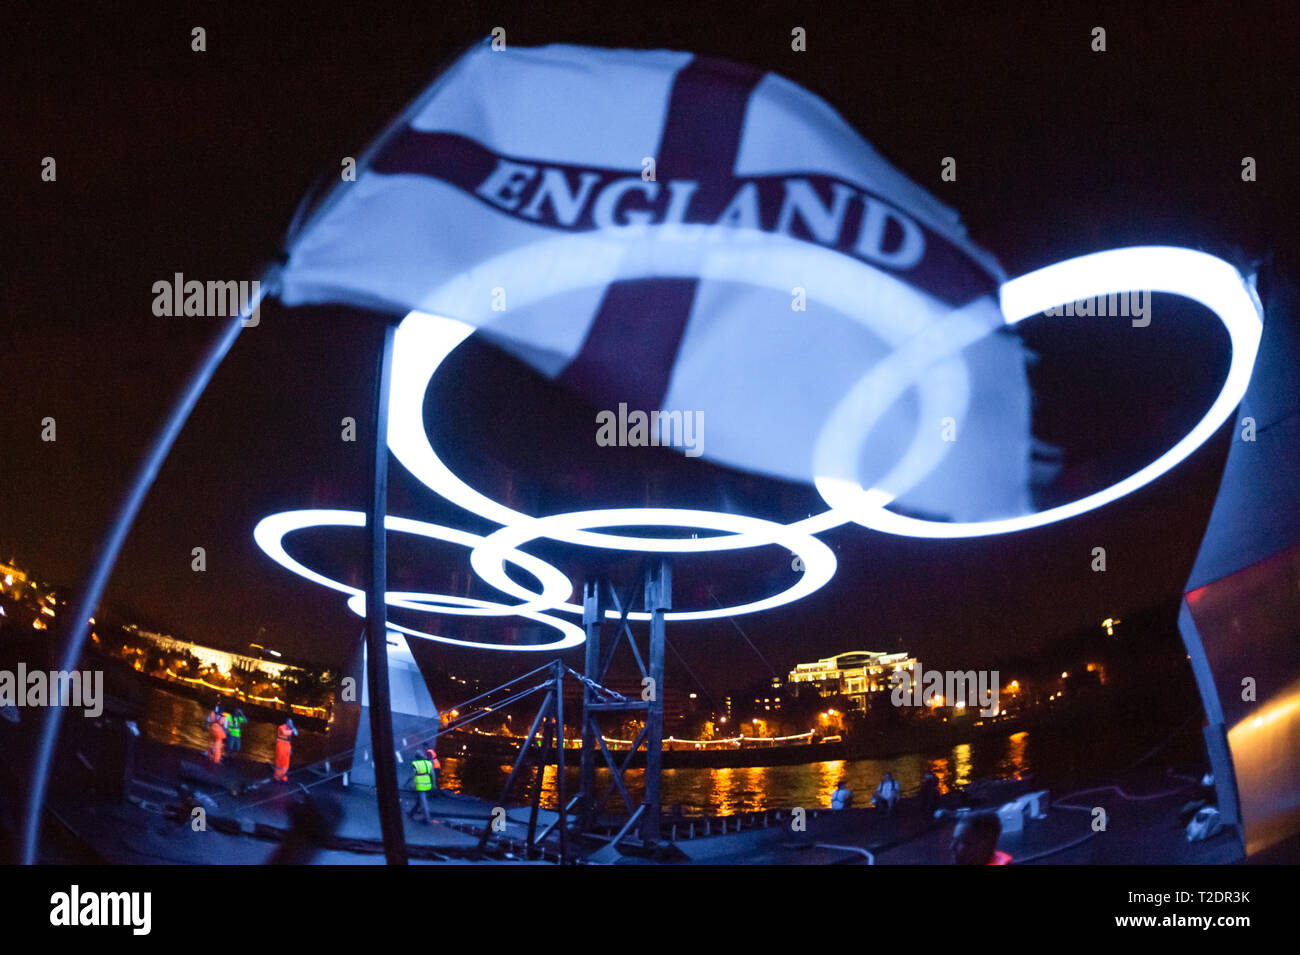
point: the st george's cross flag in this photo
(677, 232)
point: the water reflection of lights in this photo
(942, 770)
(721, 790)
(829, 775)
(1013, 762)
(961, 757)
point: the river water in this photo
(1058, 761)
(725, 791)
(1052, 760)
(179, 721)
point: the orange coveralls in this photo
(283, 750)
(217, 727)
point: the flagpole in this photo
(111, 546)
(381, 713)
(376, 635)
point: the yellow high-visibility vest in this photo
(423, 774)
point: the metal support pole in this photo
(102, 565)
(1215, 733)
(544, 757)
(593, 615)
(617, 772)
(621, 630)
(561, 790)
(658, 598)
(519, 762)
(381, 714)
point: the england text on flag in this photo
(669, 230)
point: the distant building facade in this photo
(222, 660)
(854, 674)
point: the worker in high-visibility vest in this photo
(284, 734)
(422, 773)
(217, 728)
(235, 728)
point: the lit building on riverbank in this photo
(11, 575)
(223, 661)
(272, 683)
(854, 674)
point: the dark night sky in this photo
(174, 161)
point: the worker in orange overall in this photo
(975, 840)
(437, 765)
(284, 734)
(217, 728)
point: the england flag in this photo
(674, 232)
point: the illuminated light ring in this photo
(1195, 275)
(573, 635)
(424, 340)
(835, 460)
(818, 559)
(271, 530)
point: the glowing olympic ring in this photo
(1195, 275)
(818, 559)
(923, 343)
(556, 587)
(424, 340)
(436, 603)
